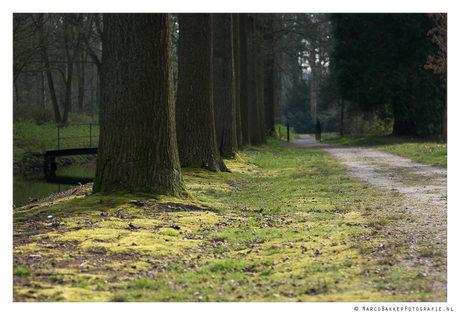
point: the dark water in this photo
(38, 184)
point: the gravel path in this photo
(425, 189)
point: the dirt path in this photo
(425, 188)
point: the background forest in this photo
(355, 73)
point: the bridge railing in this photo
(91, 135)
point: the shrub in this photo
(381, 127)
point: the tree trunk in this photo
(313, 80)
(224, 84)
(68, 92)
(342, 107)
(16, 91)
(236, 59)
(254, 125)
(244, 78)
(269, 90)
(91, 79)
(43, 89)
(196, 135)
(49, 76)
(277, 96)
(444, 125)
(137, 146)
(81, 64)
(260, 74)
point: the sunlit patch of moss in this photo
(75, 294)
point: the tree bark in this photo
(224, 84)
(137, 147)
(254, 125)
(244, 78)
(196, 135)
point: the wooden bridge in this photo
(49, 156)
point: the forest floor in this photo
(290, 223)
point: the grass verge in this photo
(285, 225)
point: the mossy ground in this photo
(284, 225)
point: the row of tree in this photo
(145, 138)
(225, 92)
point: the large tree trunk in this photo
(137, 148)
(244, 78)
(236, 59)
(254, 125)
(196, 135)
(269, 89)
(224, 84)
